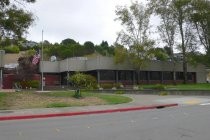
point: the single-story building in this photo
(106, 71)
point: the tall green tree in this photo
(104, 49)
(120, 54)
(201, 21)
(179, 13)
(14, 19)
(89, 47)
(134, 35)
(167, 27)
(68, 41)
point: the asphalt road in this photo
(176, 123)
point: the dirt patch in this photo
(24, 100)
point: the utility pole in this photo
(2, 52)
(42, 74)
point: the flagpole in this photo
(42, 74)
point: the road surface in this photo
(176, 123)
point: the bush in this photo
(119, 92)
(34, 83)
(80, 80)
(118, 85)
(155, 87)
(159, 87)
(12, 49)
(135, 87)
(91, 82)
(29, 84)
(107, 85)
(163, 93)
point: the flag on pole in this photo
(36, 59)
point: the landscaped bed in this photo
(25, 100)
(203, 86)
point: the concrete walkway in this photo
(138, 101)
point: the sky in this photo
(81, 20)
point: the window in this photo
(107, 75)
(167, 75)
(143, 75)
(179, 76)
(190, 75)
(125, 75)
(155, 75)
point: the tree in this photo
(201, 21)
(160, 54)
(25, 68)
(120, 54)
(14, 20)
(178, 11)
(167, 27)
(181, 15)
(89, 47)
(135, 20)
(68, 41)
(81, 80)
(104, 49)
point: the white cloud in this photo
(81, 20)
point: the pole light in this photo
(42, 74)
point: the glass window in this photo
(125, 75)
(179, 76)
(190, 75)
(167, 75)
(107, 75)
(155, 75)
(143, 75)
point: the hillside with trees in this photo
(184, 29)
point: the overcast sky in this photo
(81, 20)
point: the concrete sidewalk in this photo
(139, 102)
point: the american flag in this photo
(36, 59)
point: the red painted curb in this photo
(3, 118)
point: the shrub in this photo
(163, 93)
(159, 87)
(29, 84)
(80, 80)
(118, 85)
(135, 87)
(34, 84)
(12, 49)
(91, 82)
(107, 85)
(24, 84)
(119, 92)
(155, 87)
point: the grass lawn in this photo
(2, 99)
(204, 86)
(24, 100)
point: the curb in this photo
(20, 117)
